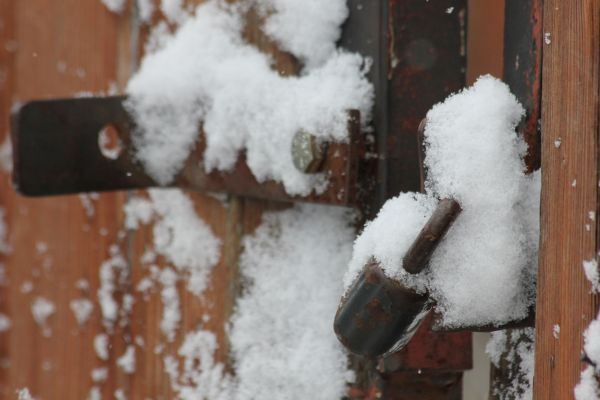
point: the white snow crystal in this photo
(590, 268)
(170, 299)
(101, 342)
(111, 272)
(115, 6)
(484, 270)
(207, 73)
(587, 388)
(127, 361)
(557, 143)
(556, 331)
(120, 394)
(42, 309)
(82, 309)
(174, 10)
(95, 393)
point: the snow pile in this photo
(513, 348)
(313, 43)
(127, 361)
(174, 11)
(588, 388)
(180, 236)
(145, 9)
(484, 271)
(282, 319)
(285, 316)
(207, 73)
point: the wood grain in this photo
(569, 114)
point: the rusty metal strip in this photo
(56, 152)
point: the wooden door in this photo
(62, 49)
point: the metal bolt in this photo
(307, 153)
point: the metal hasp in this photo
(56, 151)
(379, 314)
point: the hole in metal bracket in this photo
(109, 142)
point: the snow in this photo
(313, 43)
(116, 6)
(590, 268)
(23, 394)
(145, 10)
(174, 10)
(516, 348)
(120, 394)
(99, 374)
(206, 72)
(294, 264)
(484, 271)
(5, 323)
(42, 309)
(127, 361)
(282, 319)
(171, 307)
(82, 309)
(101, 342)
(95, 393)
(179, 235)
(111, 272)
(556, 331)
(587, 388)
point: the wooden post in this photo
(569, 229)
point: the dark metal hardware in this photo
(56, 151)
(379, 314)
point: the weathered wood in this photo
(569, 233)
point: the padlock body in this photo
(379, 314)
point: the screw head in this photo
(307, 153)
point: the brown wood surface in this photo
(569, 113)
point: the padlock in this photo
(379, 314)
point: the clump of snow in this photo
(87, 202)
(516, 348)
(120, 394)
(116, 6)
(284, 318)
(484, 270)
(99, 374)
(42, 309)
(24, 394)
(82, 309)
(591, 273)
(95, 393)
(145, 10)
(587, 388)
(556, 331)
(314, 42)
(170, 299)
(180, 235)
(112, 272)
(127, 361)
(5, 323)
(174, 10)
(101, 342)
(207, 73)
(202, 378)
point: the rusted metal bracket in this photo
(56, 151)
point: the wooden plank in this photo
(57, 49)
(569, 114)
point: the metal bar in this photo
(56, 152)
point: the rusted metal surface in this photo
(56, 152)
(523, 41)
(418, 255)
(378, 313)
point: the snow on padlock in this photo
(379, 314)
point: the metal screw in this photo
(307, 153)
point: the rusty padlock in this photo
(379, 314)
